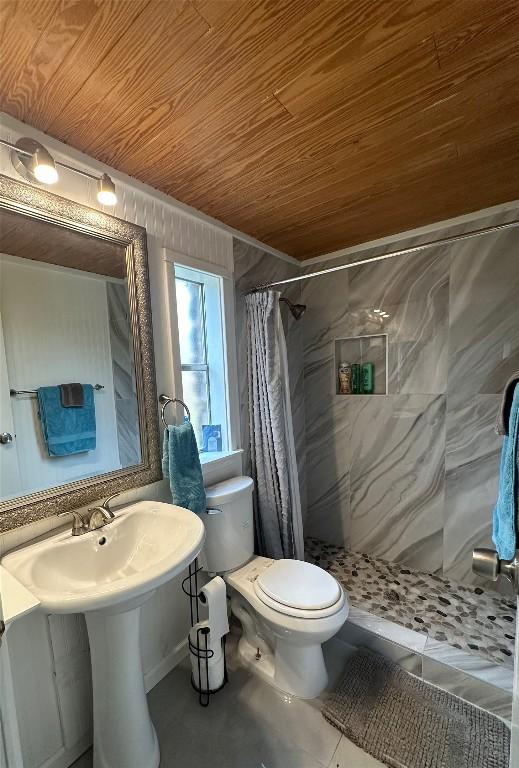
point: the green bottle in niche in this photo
(356, 379)
(368, 378)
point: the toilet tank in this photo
(229, 527)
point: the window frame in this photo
(231, 389)
(198, 366)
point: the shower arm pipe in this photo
(390, 255)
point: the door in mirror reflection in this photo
(68, 399)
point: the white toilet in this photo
(287, 608)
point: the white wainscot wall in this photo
(49, 654)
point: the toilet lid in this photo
(297, 584)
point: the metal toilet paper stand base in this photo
(200, 649)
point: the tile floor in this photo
(247, 725)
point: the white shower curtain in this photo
(278, 516)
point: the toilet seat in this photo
(299, 589)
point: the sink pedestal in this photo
(123, 732)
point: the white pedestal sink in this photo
(107, 575)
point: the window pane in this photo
(196, 394)
(190, 308)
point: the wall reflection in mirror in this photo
(64, 320)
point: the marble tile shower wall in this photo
(412, 476)
(126, 405)
(253, 266)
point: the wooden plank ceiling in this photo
(309, 124)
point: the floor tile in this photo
(348, 755)
(484, 695)
(247, 725)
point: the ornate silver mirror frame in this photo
(38, 203)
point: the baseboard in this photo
(165, 665)
(66, 757)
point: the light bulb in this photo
(106, 190)
(43, 167)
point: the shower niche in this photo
(361, 350)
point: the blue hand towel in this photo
(67, 430)
(181, 463)
(506, 517)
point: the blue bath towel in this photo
(67, 430)
(181, 463)
(506, 512)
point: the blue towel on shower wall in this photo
(506, 512)
(67, 430)
(181, 463)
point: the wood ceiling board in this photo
(278, 57)
(67, 26)
(131, 64)
(37, 240)
(24, 23)
(215, 12)
(223, 79)
(481, 34)
(272, 115)
(84, 57)
(467, 188)
(118, 134)
(416, 141)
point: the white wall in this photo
(165, 617)
(56, 329)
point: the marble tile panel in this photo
(327, 472)
(484, 695)
(327, 314)
(397, 478)
(121, 340)
(128, 438)
(498, 675)
(373, 636)
(361, 622)
(472, 469)
(414, 291)
(484, 314)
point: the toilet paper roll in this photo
(207, 676)
(214, 597)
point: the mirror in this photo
(78, 415)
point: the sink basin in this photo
(107, 575)
(146, 545)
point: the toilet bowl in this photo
(287, 608)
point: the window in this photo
(199, 298)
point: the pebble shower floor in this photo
(465, 617)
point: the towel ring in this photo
(165, 400)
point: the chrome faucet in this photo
(96, 517)
(101, 515)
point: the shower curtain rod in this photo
(390, 255)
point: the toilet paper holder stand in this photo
(200, 649)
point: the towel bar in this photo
(14, 392)
(165, 400)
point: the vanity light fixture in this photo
(106, 190)
(44, 167)
(34, 163)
